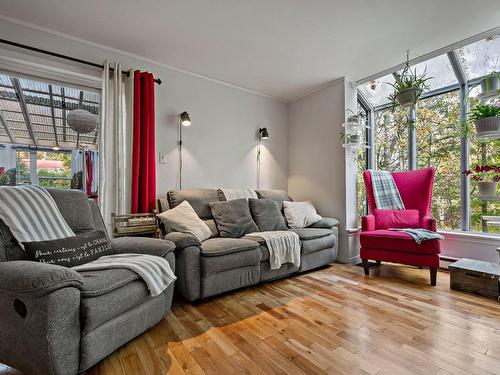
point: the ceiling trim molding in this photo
(430, 55)
(138, 57)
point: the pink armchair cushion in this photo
(397, 241)
(385, 219)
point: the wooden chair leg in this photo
(379, 262)
(434, 276)
(365, 266)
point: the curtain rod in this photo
(39, 50)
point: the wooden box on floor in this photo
(475, 276)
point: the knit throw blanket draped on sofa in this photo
(283, 246)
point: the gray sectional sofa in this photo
(218, 265)
(54, 320)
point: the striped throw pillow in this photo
(32, 214)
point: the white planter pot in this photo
(487, 188)
(487, 126)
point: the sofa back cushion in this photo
(233, 218)
(75, 208)
(279, 196)
(199, 199)
(267, 215)
(183, 219)
(300, 214)
(385, 219)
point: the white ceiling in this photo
(281, 48)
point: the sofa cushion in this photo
(276, 195)
(267, 215)
(233, 218)
(197, 198)
(214, 247)
(300, 214)
(230, 194)
(397, 241)
(99, 282)
(183, 219)
(311, 233)
(317, 244)
(75, 208)
(223, 254)
(97, 310)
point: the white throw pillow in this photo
(184, 219)
(300, 214)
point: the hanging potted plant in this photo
(491, 83)
(487, 178)
(408, 86)
(486, 118)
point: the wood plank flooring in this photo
(333, 320)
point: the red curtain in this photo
(143, 153)
(90, 177)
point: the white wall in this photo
(220, 145)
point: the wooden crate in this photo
(135, 224)
(476, 276)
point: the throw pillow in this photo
(233, 218)
(385, 219)
(267, 215)
(70, 251)
(300, 214)
(184, 219)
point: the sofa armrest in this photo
(141, 245)
(368, 223)
(326, 222)
(36, 279)
(429, 223)
(182, 240)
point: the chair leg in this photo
(433, 276)
(379, 262)
(365, 266)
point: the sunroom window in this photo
(455, 87)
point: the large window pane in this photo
(377, 93)
(440, 71)
(391, 139)
(481, 58)
(438, 146)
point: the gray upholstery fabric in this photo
(311, 233)
(105, 339)
(211, 265)
(233, 218)
(141, 245)
(36, 279)
(326, 222)
(47, 340)
(9, 248)
(99, 282)
(162, 203)
(188, 272)
(317, 259)
(266, 273)
(317, 244)
(276, 195)
(229, 280)
(267, 214)
(75, 208)
(102, 308)
(219, 246)
(97, 216)
(197, 198)
(213, 227)
(182, 240)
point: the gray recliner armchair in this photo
(54, 320)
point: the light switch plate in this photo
(163, 158)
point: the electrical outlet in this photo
(163, 158)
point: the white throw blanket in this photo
(154, 270)
(284, 247)
(232, 194)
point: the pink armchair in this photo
(380, 244)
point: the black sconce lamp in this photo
(184, 120)
(264, 134)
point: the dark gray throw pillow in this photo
(267, 215)
(70, 251)
(233, 218)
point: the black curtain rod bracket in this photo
(61, 56)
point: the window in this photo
(36, 144)
(438, 128)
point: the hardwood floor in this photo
(334, 320)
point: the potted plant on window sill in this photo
(487, 178)
(486, 119)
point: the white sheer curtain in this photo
(115, 142)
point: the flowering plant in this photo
(481, 171)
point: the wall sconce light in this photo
(184, 120)
(263, 134)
